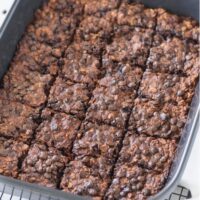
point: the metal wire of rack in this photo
(8, 192)
(180, 193)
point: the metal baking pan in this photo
(18, 17)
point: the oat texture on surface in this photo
(96, 97)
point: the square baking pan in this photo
(19, 16)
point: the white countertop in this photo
(191, 177)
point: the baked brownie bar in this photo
(57, 130)
(17, 121)
(36, 56)
(130, 46)
(97, 30)
(80, 66)
(113, 97)
(150, 153)
(93, 7)
(136, 15)
(10, 154)
(158, 119)
(167, 56)
(26, 86)
(133, 182)
(169, 24)
(43, 165)
(166, 87)
(69, 97)
(127, 77)
(56, 22)
(83, 178)
(98, 141)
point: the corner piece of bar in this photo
(17, 121)
(43, 165)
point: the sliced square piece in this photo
(27, 86)
(167, 88)
(98, 141)
(71, 98)
(150, 153)
(132, 182)
(113, 98)
(56, 22)
(130, 45)
(167, 56)
(97, 29)
(80, 66)
(17, 121)
(136, 15)
(11, 152)
(35, 56)
(58, 130)
(43, 166)
(158, 119)
(81, 179)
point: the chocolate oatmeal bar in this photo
(113, 97)
(53, 29)
(11, 152)
(58, 130)
(136, 15)
(133, 182)
(170, 24)
(131, 47)
(167, 88)
(174, 51)
(150, 153)
(56, 22)
(85, 179)
(17, 121)
(27, 86)
(43, 165)
(154, 118)
(69, 97)
(36, 56)
(97, 30)
(80, 66)
(96, 97)
(98, 141)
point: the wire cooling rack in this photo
(8, 192)
(181, 193)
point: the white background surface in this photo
(4, 6)
(191, 177)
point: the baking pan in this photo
(18, 17)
